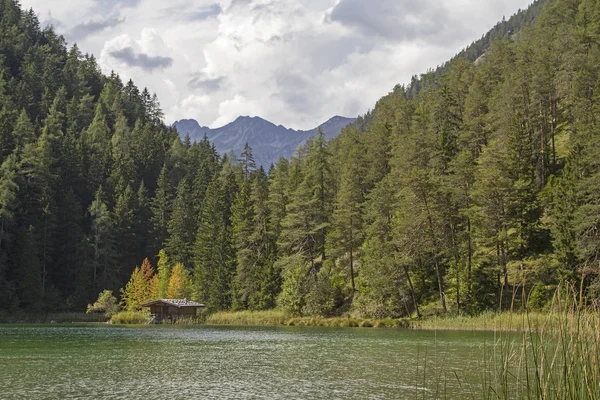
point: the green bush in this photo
(106, 304)
(538, 298)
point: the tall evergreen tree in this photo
(181, 227)
(242, 219)
(161, 210)
(246, 161)
(104, 267)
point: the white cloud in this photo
(294, 63)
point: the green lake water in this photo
(97, 362)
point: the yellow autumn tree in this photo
(163, 275)
(154, 288)
(139, 289)
(179, 283)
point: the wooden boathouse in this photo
(173, 309)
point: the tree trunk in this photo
(437, 264)
(440, 285)
(352, 271)
(412, 291)
(554, 124)
(457, 288)
(352, 257)
(457, 266)
(469, 256)
(44, 259)
(469, 245)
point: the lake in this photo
(110, 362)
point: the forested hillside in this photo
(80, 158)
(481, 186)
(477, 50)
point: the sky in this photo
(293, 62)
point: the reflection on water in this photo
(72, 362)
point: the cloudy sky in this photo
(293, 62)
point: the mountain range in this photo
(269, 142)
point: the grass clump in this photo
(184, 321)
(131, 318)
(390, 323)
(255, 318)
(281, 318)
(490, 321)
(366, 323)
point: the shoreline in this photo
(487, 322)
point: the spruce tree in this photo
(24, 132)
(214, 251)
(124, 223)
(246, 161)
(242, 221)
(28, 271)
(8, 196)
(181, 227)
(267, 274)
(161, 210)
(104, 267)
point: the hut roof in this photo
(179, 303)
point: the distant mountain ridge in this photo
(269, 142)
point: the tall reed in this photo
(558, 360)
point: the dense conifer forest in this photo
(475, 186)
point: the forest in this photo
(472, 188)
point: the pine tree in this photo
(181, 227)
(246, 161)
(8, 203)
(307, 220)
(70, 273)
(345, 236)
(38, 182)
(278, 196)
(161, 210)
(267, 274)
(104, 268)
(142, 225)
(206, 260)
(96, 142)
(318, 182)
(385, 286)
(24, 132)
(177, 161)
(214, 253)
(242, 219)
(124, 223)
(8, 196)
(28, 271)
(8, 115)
(123, 168)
